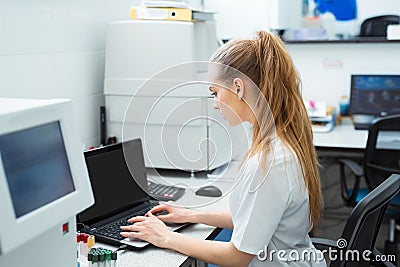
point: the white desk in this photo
(153, 256)
(342, 136)
(345, 137)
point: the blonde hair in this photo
(266, 62)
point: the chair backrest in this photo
(382, 156)
(376, 26)
(364, 223)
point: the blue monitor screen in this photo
(375, 94)
(36, 167)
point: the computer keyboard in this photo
(113, 229)
(165, 192)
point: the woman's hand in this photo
(175, 214)
(148, 228)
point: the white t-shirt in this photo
(270, 211)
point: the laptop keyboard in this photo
(158, 191)
(113, 229)
(165, 192)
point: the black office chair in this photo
(378, 163)
(362, 227)
(376, 26)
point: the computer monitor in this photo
(376, 95)
(43, 178)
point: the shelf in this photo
(346, 41)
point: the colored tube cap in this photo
(102, 257)
(85, 238)
(91, 241)
(95, 258)
(108, 255)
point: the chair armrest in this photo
(353, 166)
(324, 242)
(382, 168)
(358, 172)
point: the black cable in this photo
(80, 226)
(124, 246)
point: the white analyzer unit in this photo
(43, 183)
(156, 89)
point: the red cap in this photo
(85, 238)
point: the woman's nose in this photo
(215, 104)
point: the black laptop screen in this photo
(377, 95)
(113, 186)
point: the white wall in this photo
(325, 68)
(371, 8)
(241, 18)
(55, 49)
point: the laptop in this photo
(118, 196)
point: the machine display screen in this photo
(36, 167)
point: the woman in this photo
(277, 197)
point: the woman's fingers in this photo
(149, 228)
(132, 235)
(165, 217)
(137, 219)
(134, 227)
(159, 208)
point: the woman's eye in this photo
(214, 94)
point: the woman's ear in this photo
(239, 87)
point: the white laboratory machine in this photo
(43, 183)
(155, 91)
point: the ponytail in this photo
(266, 62)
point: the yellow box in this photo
(161, 13)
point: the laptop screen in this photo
(114, 188)
(377, 95)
